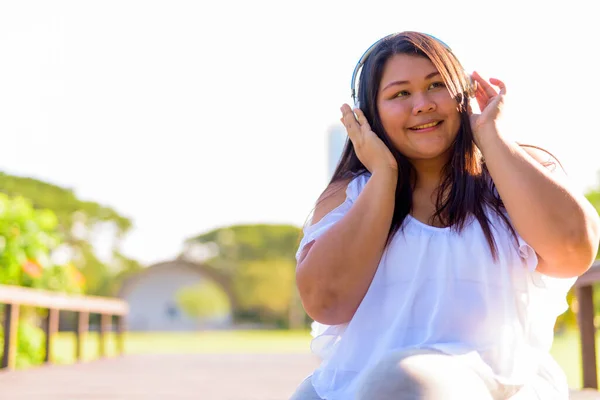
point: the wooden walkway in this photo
(136, 377)
(193, 376)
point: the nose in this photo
(423, 104)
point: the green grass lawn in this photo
(565, 350)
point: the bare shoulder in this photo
(331, 198)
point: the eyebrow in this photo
(431, 75)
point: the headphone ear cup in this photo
(472, 88)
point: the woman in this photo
(440, 254)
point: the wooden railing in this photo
(14, 296)
(587, 328)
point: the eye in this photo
(402, 93)
(436, 85)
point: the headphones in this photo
(471, 88)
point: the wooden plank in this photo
(179, 377)
(587, 329)
(47, 299)
(83, 319)
(586, 394)
(121, 327)
(50, 329)
(11, 324)
(170, 376)
(587, 332)
(105, 326)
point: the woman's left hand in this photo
(490, 103)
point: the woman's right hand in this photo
(369, 148)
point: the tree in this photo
(205, 300)
(265, 286)
(76, 222)
(28, 237)
(260, 261)
(62, 201)
(251, 242)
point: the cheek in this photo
(456, 121)
(445, 102)
(449, 108)
(394, 116)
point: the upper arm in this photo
(333, 196)
(545, 158)
(552, 164)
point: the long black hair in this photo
(466, 189)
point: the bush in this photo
(27, 238)
(31, 344)
(205, 300)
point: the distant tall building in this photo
(336, 139)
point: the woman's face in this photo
(416, 109)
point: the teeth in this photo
(430, 125)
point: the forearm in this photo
(557, 222)
(338, 269)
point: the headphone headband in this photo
(366, 54)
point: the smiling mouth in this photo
(425, 126)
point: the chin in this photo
(430, 153)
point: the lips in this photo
(426, 125)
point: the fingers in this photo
(486, 93)
(484, 85)
(488, 89)
(362, 120)
(500, 84)
(481, 97)
(353, 126)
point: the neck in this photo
(428, 174)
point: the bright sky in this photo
(191, 115)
